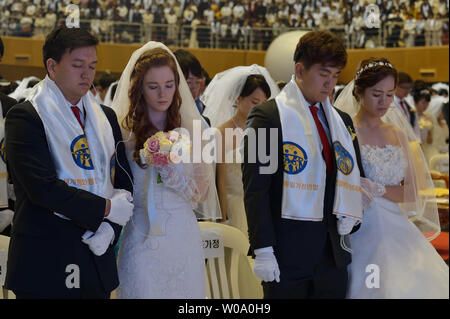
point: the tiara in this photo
(372, 65)
(424, 92)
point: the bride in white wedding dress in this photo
(391, 257)
(161, 253)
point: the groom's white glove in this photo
(121, 207)
(6, 217)
(345, 225)
(103, 237)
(266, 266)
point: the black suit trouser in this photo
(328, 282)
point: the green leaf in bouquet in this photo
(158, 179)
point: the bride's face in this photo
(245, 104)
(377, 99)
(422, 105)
(159, 88)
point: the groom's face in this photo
(75, 72)
(316, 82)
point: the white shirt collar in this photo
(79, 105)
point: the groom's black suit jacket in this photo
(298, 245)
(43, 244)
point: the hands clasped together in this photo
(120, 213)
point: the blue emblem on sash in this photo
(294, 158)
(112, 168)
(344, 160)
(80, 153)
(2, 150)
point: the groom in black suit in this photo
(297, 258)
(47, 256)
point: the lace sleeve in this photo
(186, 179)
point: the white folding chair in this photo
(222, 273)
(439, 162)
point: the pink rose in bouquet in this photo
(162, 147)
(153, 145)
(160, 159)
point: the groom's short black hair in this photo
(188, 63)
(320, 47)
(63, 39)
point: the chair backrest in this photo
(222, 279)
(439, 162)
(4, 245)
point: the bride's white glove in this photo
(266, 266)
(173, 176)
(370, 190)
(100, 241)
(345, 225)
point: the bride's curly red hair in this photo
(138, 119)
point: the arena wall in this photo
(23, 57)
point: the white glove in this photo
(6, 217)
(103, 237)
(121, 207)
(366, 198)
(345, 225)
(375, 189)
(370, 190)
(174, 177)
(266, 266)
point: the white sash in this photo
(304, 168)
(84, 160)
(3, 174)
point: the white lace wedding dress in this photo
(409, 266)
(171, 266)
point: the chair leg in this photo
(5, 293)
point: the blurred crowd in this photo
(231, 24)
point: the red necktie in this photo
(76, 112)
(323, 137)
(404, 107)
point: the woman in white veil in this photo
(221, 94)
(161, 254)
(402, 217)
